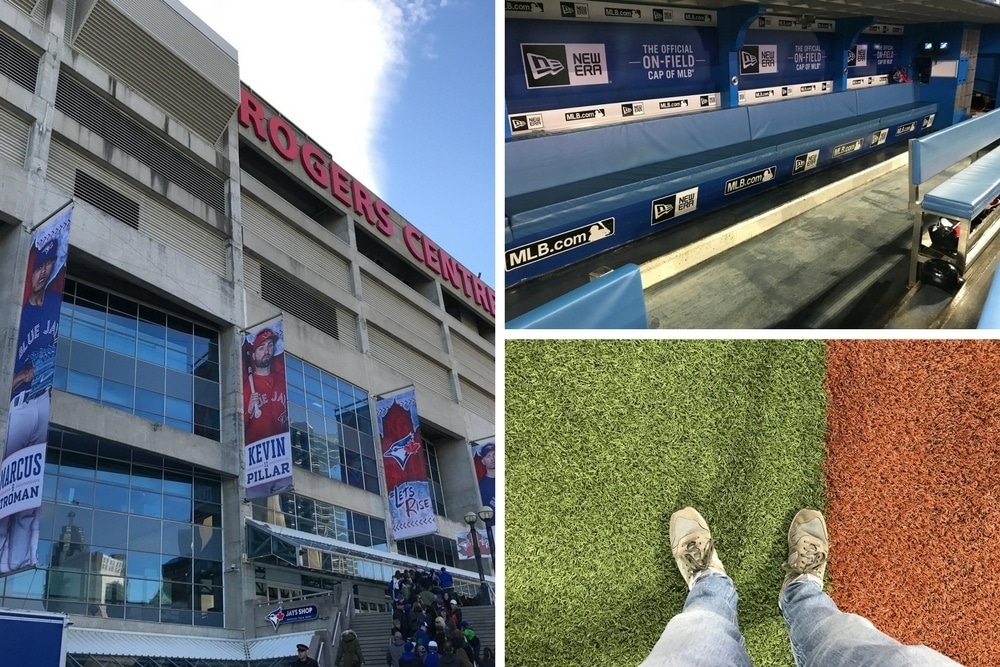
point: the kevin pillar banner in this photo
(34, 368)
(267, 453)
(405, 467)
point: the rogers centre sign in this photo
(325, 173)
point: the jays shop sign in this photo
(350, 192)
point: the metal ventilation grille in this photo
(25, 6)
(18, 62)
(311, 308)
(13, 137)
(477, 401)
(166, 225)
(472, 357)
(283, 236)
(409, 362)
(154, 70)
(92, 191)
(303, 304)
(38, 13)
(90, 111)
(400, 311)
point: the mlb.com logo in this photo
(549, 65)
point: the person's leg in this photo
(819, 632)
(706, 633)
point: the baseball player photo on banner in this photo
(267, 451)
(34, 368)
(406, 479)
(485, 457)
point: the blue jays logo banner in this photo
(267, 451)
(34, 368)
(404, 459)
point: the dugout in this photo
(624, 120)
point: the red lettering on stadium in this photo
(327, 174)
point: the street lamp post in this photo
(484, 592)
(486, 514)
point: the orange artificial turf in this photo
(912, 483)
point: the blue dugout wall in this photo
(578, 67)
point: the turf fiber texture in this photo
(604, 440)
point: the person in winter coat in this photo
(410, 657)
(462, 646)
(395, 650)
(349, 652)
(470, 636)
(423, 636)
(489, 660)
(303, 659)
(453, 658)
(433, 658)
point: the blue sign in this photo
(558, 65)
(781, 58)
(294, 615)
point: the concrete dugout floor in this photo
(835, 255)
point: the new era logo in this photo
(747, 60)
(662, 210)
(541, 66)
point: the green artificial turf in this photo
(604, 440)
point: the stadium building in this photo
(199, 212)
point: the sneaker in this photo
(693, 546)
(808, 548)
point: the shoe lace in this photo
(697, 554)
(810, 557)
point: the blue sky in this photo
(399, 92)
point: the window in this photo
(131, 356)
(291, 510)
(125, 534)
(331, 426)
(432, 548)
(434, 472)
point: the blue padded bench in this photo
(613, 301)
(559, 182)
(962, 196)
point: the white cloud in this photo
(332, 68)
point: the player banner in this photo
(485, 458)
(23, 466)
(267, 452)
(406, 480)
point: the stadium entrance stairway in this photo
(373, 630)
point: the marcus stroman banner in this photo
(34, 368)
(405, 467)
(267, 451)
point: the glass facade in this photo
(434, 475)
(131, 356)
(291, 510)
(432, 548)
(331, 426)
(125, 534)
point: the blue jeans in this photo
(706, 633)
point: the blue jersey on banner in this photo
(36, 343)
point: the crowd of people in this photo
(427, 625)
